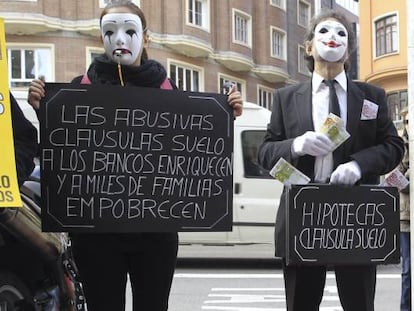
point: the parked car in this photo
(256, 194)
(37, 271)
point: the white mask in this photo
(122, 37)
(331, 40)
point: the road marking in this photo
(259, 276)
(237, 298)
(228, 276)
(261, 309)
(220, 297)
(331, 289)
(248, 289)
(388, 276)
(243, 309)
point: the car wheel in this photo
(14, 294)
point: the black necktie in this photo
(334, 108)
(333, 98)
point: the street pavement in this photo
(239, 251)
(249, 278)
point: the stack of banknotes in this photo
(334, 128)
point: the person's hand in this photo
(36, 92)
(235, 101)
(312, 143)
(346, 174)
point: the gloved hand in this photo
(312, 143)
(346, 174)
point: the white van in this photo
(256, 194)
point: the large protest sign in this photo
(329, 224)
(9, 187)
(135, 159)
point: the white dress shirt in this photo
(320, 110)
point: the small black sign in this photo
(135, 159)
(329, 224)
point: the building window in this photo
(198, 13)
(303, 13)
(186, 77)
(265, 97)
(241, 28)
(350, 5)
(241, 85)
(397, 101)
(103, 3)
(251, 141)
(278, 3)
(302, 67)
(278, 41)
(386, 41)
(25, 64)
(92, 53)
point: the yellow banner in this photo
(9, 188)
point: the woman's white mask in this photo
(331, 40)
(122, 37)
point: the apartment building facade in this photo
(383, 33)
(202, 43)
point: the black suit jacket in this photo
(25, 142)
(374, 144)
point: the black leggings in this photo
(104, 260)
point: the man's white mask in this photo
(122, 37)
(331, 40)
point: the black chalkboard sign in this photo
(135, 159)
(329, 224)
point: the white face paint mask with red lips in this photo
(122, 35)
(331, 40)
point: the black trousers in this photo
(304, 286)
(104, 260)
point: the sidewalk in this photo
(235, 256)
